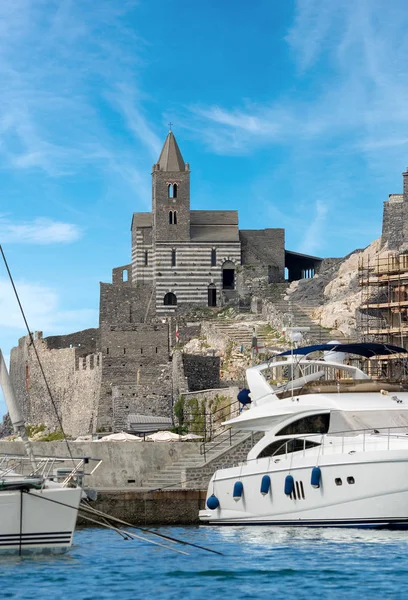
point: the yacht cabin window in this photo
(286, 446)
(310, 424)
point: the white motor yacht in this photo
(334, 445)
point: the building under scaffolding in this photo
(384, 303)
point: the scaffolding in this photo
(384, 299)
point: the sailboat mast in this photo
(14, 410)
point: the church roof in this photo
(214, 233)
(170, 158)
(142, 219)
(214, 217)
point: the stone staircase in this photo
(176, 475)
(240, 333)
(302, 317)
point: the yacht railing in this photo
(65, 470)
(349, 441)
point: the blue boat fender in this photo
(213, 502)
(238, 490)
(289, 485)
(265, 485)
(316, 478)
(244, 396)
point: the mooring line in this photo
(133, 535)
(146, 530)
(85, 507)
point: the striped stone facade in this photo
(191, 275)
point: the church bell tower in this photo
(171, 194)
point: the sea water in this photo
(257, 562)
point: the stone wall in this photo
(74, 381)
(202, 372)
(264, 247)
(154, 397)
(394, 222)
(123, 303)
(253, 279)
(85, 342)
(132, 354)
(199, 477)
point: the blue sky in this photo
(293, 112)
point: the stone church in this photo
(186, 257)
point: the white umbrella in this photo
(191, 436)
(120, 437)
(164, 436)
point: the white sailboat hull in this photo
(38, 520)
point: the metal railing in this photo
(351, 441)
(56, 468)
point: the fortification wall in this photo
(254, 279)
(74, 381)
(85, 342)
(123, 303)
(132, 354)
(153, 397)
(264, 247)
(394, 227)
(202, 372)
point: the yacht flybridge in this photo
(333, 447)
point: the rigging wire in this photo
(36, 352)
(84, 507)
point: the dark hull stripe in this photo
(385, 523)
(35, 542)
(49, 533)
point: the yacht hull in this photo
(38, 520)
(373, 493)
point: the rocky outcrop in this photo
(335, 292)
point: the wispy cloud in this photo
(315, 230)
(59, 62)
(354, 59)
(39, 231)
(42, 306)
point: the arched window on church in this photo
(173, 258)
(175, 190)
(213, 257)
(175, 217)
(171, 217)
(170, 190)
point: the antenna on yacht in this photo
(295, 336)
(15, 413)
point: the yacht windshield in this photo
(311, 424)
(286, 446)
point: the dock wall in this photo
(125, 464)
